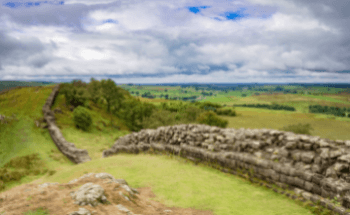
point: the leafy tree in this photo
(95, 91)
(78, 83)
(133, 112)
(112, 94)
(75, 95)
(278, 88)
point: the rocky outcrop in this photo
(93, 194)
(68, 149)
(311, 164)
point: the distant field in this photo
(325, 126)
(6, 85)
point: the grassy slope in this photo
(6, 85)
(195, 186)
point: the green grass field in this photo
(201, 186)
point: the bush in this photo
(159, 118)
(227, 112)
(82, 118)
(298, 128)
(192, 112)
(174, 106)
(202, 105)
(210, 118)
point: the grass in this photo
(198, 186)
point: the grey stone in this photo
(302, 159)
(68, 149)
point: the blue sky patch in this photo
(28, 4)
(234, 15)
(12, 4)
(110, 21)
(196, 9)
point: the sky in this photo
(176, 41)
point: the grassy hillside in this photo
(196, 186)
(6, 85)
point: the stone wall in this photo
(318, 167)
(68, 149)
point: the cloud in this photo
(180, 41)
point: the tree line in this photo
(267, 106)
(136, 115)
(336, 111)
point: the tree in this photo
(278, 88)
(94, 89)
(111, 93)
(78, 83)
(75, 95)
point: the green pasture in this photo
(200, 186)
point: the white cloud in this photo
(295, 23)
(165, 39)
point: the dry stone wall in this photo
(315, 166)
(68, 149)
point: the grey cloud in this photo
(13, 50)
(53, 15)
(180, 44)
(40, 61)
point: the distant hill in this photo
(7, 85)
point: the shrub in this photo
(159, 118)
(192, 112)
(82, 118)
(202, 105)
(174, 106)
(227, 112)
(298, 128)
(210, 118)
